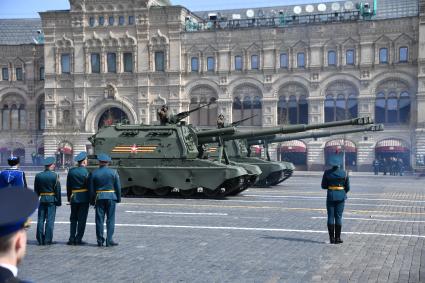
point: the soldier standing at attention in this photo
(47, 186)
(78, 196)
(337, 184)
(13, 177)
(105, 192)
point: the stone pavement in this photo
(263, 235)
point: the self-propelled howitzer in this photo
(273, 172)
(161, 159)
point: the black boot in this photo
(331, 229)
(338, 234)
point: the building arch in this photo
(294, 151)
(341, 101)
(201, 95)
(340, 149)
(290, 80)
(331, 79)
(292, 106)
(246, 81)
(202, 82)
(390, 151)
(12, 148)
(247, 102)
(403, 77)
(94, 114)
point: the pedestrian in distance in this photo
(337, 184)
(47, 186)
(105, 192)
(78, 196)
(13, 176)
(16, 205)
(375, 165)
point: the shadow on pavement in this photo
(293, 239)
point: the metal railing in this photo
(273, 22)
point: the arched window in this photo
(329, 108)
(341, 102)
(22, 117)
(393, 103)
(293, 105)
(282, 112)
(293, 110)
(14, 117)
(206, 116)
(247, 102)
(404, 106)
(6, 117)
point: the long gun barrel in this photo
(239, 122)
(255, 134)
(174, 119)
(327, 133)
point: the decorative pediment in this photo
(95, 41)
(128, 40)
(404, 39)
(65, 102)
(254, 47)
(237, 48)
(159, 39)
(331, 44)
(65, 42)
(111, 40)
(193, 50)
(299, 45)
(160, 100)
(111, 92)
(349, 42)
(209, 49)
(383, 40)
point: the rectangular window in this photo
(283, 61)
(91, 21)
(159, 61)
(331, 58)
(111, 20)
(65, 63)
(254, 62)
(349, 57)
(210, 64)
(300, 60)
(404, 54)
(128, 62)
(131, 20)
(41, 73)
(5, 74)
(238, 63)
(112, 62)
(101, 21)
(121, 20)
(194, 63)
(95, 63)
(19, 74)
(383, 56)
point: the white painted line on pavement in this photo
(253, 229)
(377, 220)
(324, 197)
(176, 213)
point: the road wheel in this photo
(187, 193)
(162, 192)
(139, 191)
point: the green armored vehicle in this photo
(164, 158)
(272, 171)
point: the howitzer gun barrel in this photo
(216, 132)
(255, 134)
(174, 119)
(326, 133)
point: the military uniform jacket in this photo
(336, 177)
(104, 183)
(6, 276)
(76, 183)
(12, 177)
(48, 187)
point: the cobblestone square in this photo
(263, 235)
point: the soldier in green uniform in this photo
(337, 184)
(78, 196)
(47, 186)
(105, 192)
